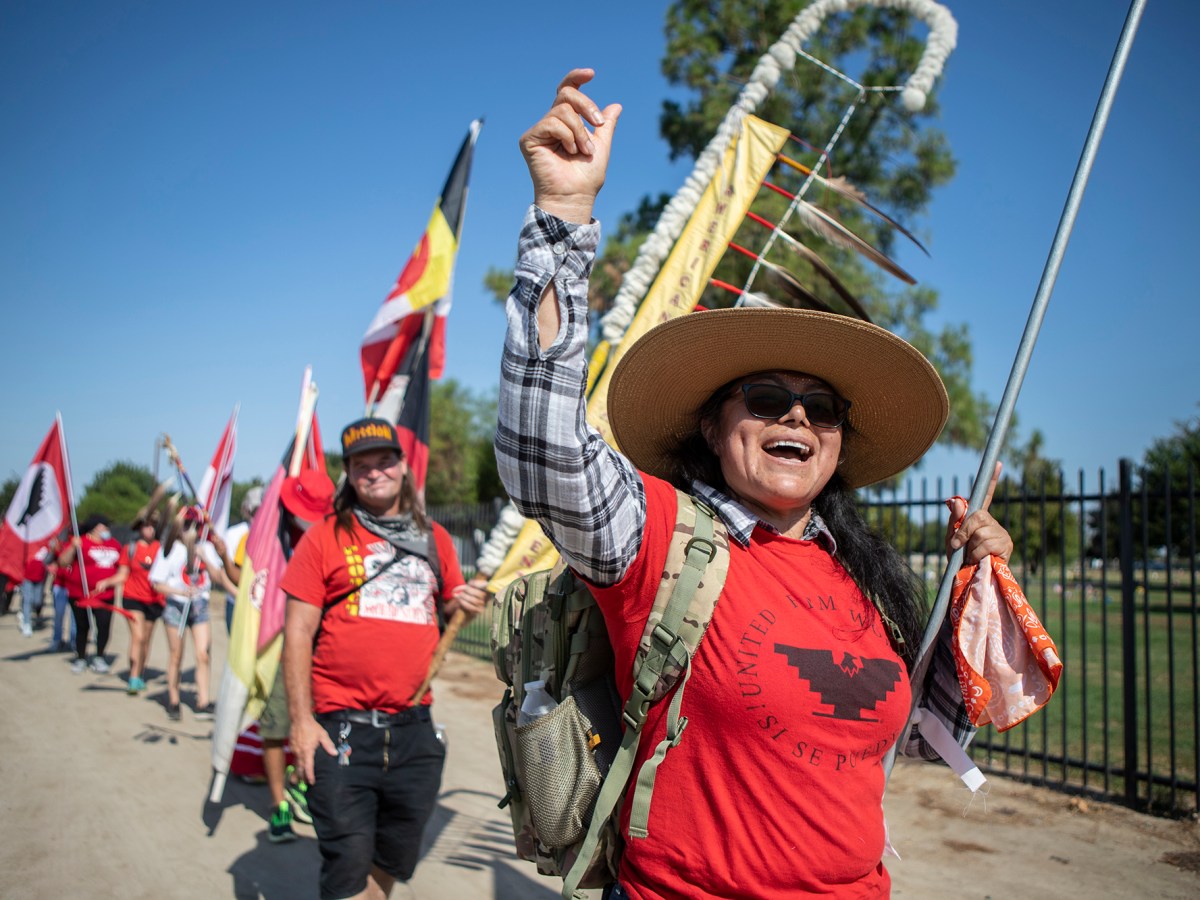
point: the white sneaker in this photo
(26, 630)
(78, 666)
(21, 623)
(98, 665)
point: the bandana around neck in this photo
(399, 531)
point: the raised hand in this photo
(981, 534)
(566, 161)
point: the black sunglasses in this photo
(772, 401)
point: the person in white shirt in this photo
(184, 571)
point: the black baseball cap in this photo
(370, 434)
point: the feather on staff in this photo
(800, 296)
(839, 185)
(749, 298)
(827, 226)
(819, 265)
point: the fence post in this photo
(1128, 629)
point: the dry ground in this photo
(100, 796)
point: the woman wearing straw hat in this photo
(772, 417)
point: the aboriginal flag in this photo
(39, 508)
(424, 285)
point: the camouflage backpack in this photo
(566, 772)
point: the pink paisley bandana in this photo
(1008, 666)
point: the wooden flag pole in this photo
(439, 653)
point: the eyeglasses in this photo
(772, 401)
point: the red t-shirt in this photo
(776, 788)
(137, 586)
(35, 566)
(101, 559)
(374, 647)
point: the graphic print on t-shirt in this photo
(851, 686)
(401, 593)
(104, 557)
(808, 658)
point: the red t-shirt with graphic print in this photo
(776, 787)
(137, 585)
(374, 647)
(101, 559)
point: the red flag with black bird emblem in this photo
(39, 508)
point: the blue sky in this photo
(201, 199)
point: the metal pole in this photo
(1128, 630)
(1016, 376)
(205, 502)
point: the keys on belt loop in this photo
(343, 747)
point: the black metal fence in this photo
(1112, 570)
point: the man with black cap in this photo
(367, 590)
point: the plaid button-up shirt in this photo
(560, 472)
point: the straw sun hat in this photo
(898, 402)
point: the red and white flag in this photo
(216, 487)
(39, 508)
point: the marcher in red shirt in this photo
(771, 417)
(144, 604)
(366, 590)
(92, 587)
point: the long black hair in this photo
(875, 565)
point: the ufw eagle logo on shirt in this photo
(851, 686)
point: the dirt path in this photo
(101, 796)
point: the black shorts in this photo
(365, 815)
(152, 611)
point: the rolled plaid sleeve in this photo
(557, 469)
(943, 698)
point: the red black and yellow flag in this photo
(423, 286)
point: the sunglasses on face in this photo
(772, 401)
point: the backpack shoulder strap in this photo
(693, 578)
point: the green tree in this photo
(462, 467)
(8, 490)
(333, 466)
(118, 491)
(1167, 480)
(1164, 510)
